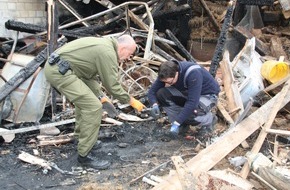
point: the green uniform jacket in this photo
(90, 57)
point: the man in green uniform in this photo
(72, 70)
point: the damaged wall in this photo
(27, 11)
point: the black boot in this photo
(92, 162)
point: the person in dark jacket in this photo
(186, 92)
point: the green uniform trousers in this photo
(83, 94)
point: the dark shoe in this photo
(91, 162)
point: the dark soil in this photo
(134, 149)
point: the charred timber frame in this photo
(221, 40)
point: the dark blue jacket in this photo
(198, 82)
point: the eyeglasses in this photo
(169, 81)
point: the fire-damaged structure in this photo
(244, 44)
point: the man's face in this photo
(126, 52)
(170, 81)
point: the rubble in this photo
(244, 34)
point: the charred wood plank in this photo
(157, 7)
(25, 73)
(221, 41)
(96, 29)
(163, 53)
(34, 29)
(180, 46)
(173, 12)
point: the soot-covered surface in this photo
(136, 148)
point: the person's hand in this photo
(174, 128)
(136, 104)
(155, 111)
(109, 107)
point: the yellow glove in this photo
(104, 99)
(136, 104)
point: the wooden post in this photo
(52, 34)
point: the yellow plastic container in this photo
(274, 71)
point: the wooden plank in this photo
(147, 61)
(223, 146)
(138, 21)
(185, 177)
(34, 160)
(270, 119)
(234, 99)
(277, 132)
(225, 114)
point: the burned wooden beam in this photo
(95, 29)
(221, 41)
(33, 29)
(173, 12)
(157, 7)
(180, 46)
(163, 53)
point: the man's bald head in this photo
(126, 46)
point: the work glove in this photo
(174, 128)
(108, 107)
(136, 104)
(155, 111)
